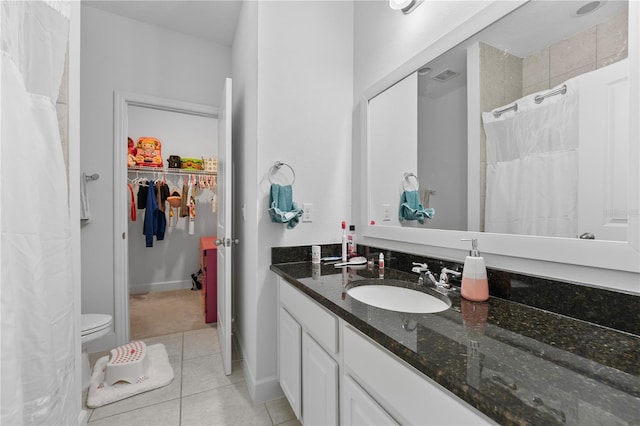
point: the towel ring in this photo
(405, 180)
(276, 166)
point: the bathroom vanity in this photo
(345, 362)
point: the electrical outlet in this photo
(386, 213)
(307, 212)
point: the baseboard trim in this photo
(159, 286)
(263, 390)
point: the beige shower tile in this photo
(63, 91)
(611, 59)
(492, 76)
(166, 413)
(612, 37)
(535, 68)
(230, 405)
(513, 80)
(574, 53)
(573, 73)
(543, 85)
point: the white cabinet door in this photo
(358, 408)
(289, 357)
(319, 384)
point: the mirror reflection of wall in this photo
(535, 48)
(442, 146)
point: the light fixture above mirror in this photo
(406, 6)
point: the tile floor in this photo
(200, 393)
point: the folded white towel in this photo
(85, 213)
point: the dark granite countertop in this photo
(515, 363)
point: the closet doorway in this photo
(163, 270)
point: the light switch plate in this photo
(307, 212)
(386, 213)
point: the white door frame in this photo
(121, 102)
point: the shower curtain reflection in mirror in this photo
(532, 166)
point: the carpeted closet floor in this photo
(165, 312)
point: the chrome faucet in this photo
(444, 277)
(425, 273)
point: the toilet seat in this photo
(94, 326)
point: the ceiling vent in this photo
(445, 75)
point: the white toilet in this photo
(93, 326)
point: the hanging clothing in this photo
(133, 203)
(155, 221)
(192, 210)
(162, 193)
(184, 208)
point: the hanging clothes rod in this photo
(176, 172)
(498, 113)
(562, 90)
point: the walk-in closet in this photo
(172, 187)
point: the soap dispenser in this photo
(475, 285)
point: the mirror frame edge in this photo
(534, 254)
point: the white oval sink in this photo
(398, 299)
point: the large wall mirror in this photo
(519, 135)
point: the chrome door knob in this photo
(219, 242)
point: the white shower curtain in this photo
(37, 297)
(532, 166)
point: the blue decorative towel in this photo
(411, 209)
(283, 209)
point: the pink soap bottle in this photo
(475, 285)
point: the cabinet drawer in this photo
(407, 395)
(321, 324)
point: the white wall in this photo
(169, 263)
(442, 157)
(394, 134)
(125, 55)
(302, 83)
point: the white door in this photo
(604, 152)
(224, 240)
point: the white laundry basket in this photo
(127, 363)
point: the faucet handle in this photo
(450, 271)
(444, 276)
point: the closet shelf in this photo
(176, 172)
